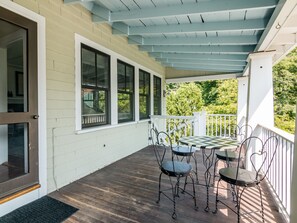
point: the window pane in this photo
(13, 73)
(143, 107)
(141, 83)
(144, 94)
(157, 96)
(102, 71)
(130, 79)
(14, 151)
(88, 68)
(125, 110)
(147, 83)
(94, 107)
(157, 107)
(121, 77)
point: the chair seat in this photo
(183, 150)
(227, 155)
(245, 177)
(180, 168)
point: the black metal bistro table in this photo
(208, 145)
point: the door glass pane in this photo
(13, 75)
(13, 151)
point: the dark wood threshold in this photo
(19, 193)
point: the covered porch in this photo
(180, 41)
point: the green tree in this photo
(209, 91)
(285, 92)
(221, 96)
(183, 99)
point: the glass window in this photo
(144, 94)
(125, 92)
(95, 87)
(157, 96)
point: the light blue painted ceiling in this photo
(202, 35)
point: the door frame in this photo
(19, 201)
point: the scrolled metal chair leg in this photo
(217, 195)
(215, 170)
(262, 206)
(159, 194)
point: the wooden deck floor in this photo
(126, 191)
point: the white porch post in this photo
(260, 90)
(293, 215)
(242, 100)
(200, 123)
(260, 96)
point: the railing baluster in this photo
(280, 173)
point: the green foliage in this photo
(220, 97)
(285, 123)
(184, 99)
(285, 92)
(209, 91)
(216, 97)
(221, 109)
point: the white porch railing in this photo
(200, 123)
(280, 173)
(219, 124)
(90, 119)
(176, 126)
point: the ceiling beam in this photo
(223, 26)
(186, 9)
(100, 13)
(223, 57)
(203, 68)
(71, 1)
(200, 49)
(203, 78)
(203, 62)
(196, 66)
(222, 40)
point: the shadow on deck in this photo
(126, 191)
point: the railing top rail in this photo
(89, 115)
(172, 117)
(282, 133)
(221, 115)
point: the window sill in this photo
(105, 127)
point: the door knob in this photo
(35, 116)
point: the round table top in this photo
(209, 142)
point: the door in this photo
(18, 103)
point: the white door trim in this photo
(41, 51)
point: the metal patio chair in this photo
(185, 152)
(231, 155)
(241, 178)
(172, 168)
